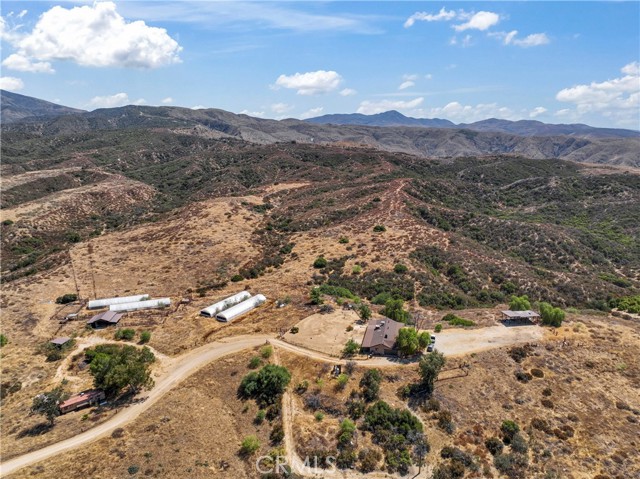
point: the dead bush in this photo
(537, 373)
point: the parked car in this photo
(431, 347)
(433, 338)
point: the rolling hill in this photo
(521, 127)
(16, 107)
(424, 142)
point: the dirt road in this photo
(175, 370)
(183, 367)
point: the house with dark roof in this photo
(104, 319)
(380, 336)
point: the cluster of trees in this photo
(116, 367)
(67, 298)
(265, 386)
(630, 304)
(397, 431)
(410, 342)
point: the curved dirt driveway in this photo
(175, 370)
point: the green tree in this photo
(364, 311)
(551, 316)
(47, 403)
(114, 369)
(265, 386)
(407, 341)
(394, 309)
(519, 303)
(350, 348)
(429, 368)
(424, 339)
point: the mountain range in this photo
(520, 127)
(533, 140)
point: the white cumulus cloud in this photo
(532, 40)
(311, 113)
(537, 111)
(167, 101)
(442, 15)
(348, 92)
(281, 108)
(258, 114)
(479, 21)
(113, 101)
(20, 63)
(458, 112)
(372, 107)
(11, 83)
(94, 35)
(310, 83)
(406, 84)
(617, 99)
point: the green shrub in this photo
(254, 362)
(237, 277)
(7, 222)
(294, 330)
(126, 334)
(260, 415)
(145, 337)
(341, 381)
(509, 429)
(350, 348)
(250, 444)
(494, 445)
(319, 416)
(3, 340)
(465, 323)
(266, 351)
(357, 269)
(133, 470)
(438, 328)
(343, 240)
(320, 262)
(379, 228)
(67, 298)
(370, 384)
(400, 268)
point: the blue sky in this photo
(558, 62)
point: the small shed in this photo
(525, 316)
(85, 398)
(60, 342)
(104, 319)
